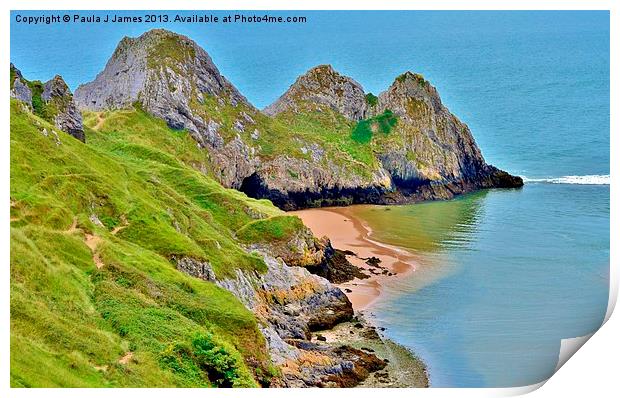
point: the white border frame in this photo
(595, 362)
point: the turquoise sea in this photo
(504, 275)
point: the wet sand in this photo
(346, 232)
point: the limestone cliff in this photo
(428, 152)
(436, 149)
(171, 77)
(323, 142)
(323, 86)
(52, 101)
(290, 303)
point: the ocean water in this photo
(504, 275)
(532, 86)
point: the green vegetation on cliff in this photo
(333, 133)
(95, 232)
(37, 102)
(365, 129)
(371, 99)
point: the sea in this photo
(503, 275)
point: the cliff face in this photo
(165, 73)
(323, 142)
(171, 77)
(426, 151)
(436, 155)
(52, 101)
(19, 87)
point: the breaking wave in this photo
(595, 179)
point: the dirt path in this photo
(100, 121)
(92, 241)
(124, 360)
(73, 228)
(124, 224)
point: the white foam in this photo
(594, 179)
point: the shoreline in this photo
(348, 233)
(403, 368)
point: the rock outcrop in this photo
(290, 302)
(323, 86)
(437, 156)
(164, 72)
(302, 151)
(171, 77)
(19, 87)
(56, 94)
(52, 101)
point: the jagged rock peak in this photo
(55, 88)
(54, 102)
(19, 87)
(15, 73)
(57, 96)
(323, 86)
(406, 87)
(167, 73)
(414, 82)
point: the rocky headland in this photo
(401, 146)
(324, 142)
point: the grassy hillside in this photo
(95, 230)
(289, 132)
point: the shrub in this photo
(362, 132)
(37, 102)
(371, 99)
(204, 356)
(219, 364)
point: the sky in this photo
(263, 59)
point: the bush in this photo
(37, 102)
(219, 364)
(371, 99)
(362, 132)
(206, 357)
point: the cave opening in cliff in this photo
(252, 186)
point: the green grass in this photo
(331, 131)
(71, 322)
(271, 229)
(365, 129)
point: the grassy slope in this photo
(71, 321)
(286, 134)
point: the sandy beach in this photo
(348, 233)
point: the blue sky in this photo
(262, 60)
